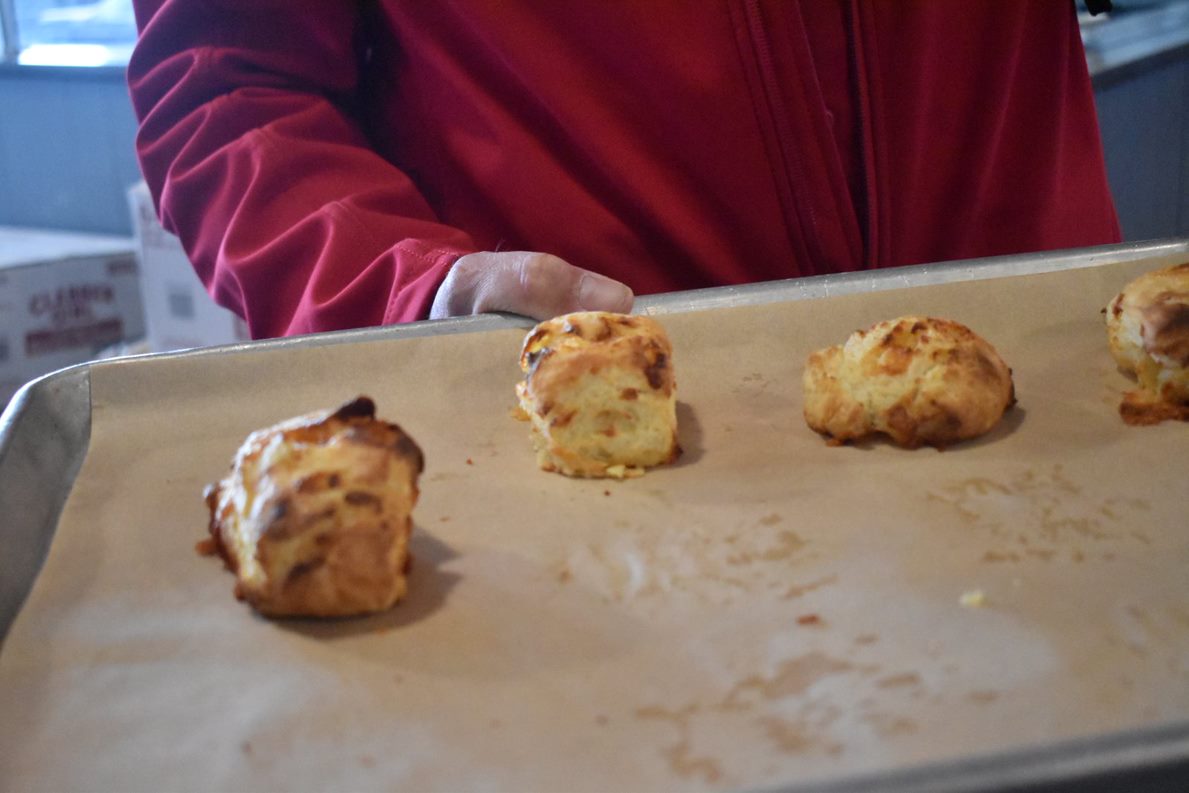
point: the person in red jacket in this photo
(341, 164)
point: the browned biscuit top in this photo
(918, 380)
(1147, 326)
(599, 390)
(314, 515)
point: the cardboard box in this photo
(64, 297)
(179, 314)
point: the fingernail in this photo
(598, 293)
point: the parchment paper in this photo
(770, 610)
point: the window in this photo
(68, 32)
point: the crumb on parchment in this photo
(973, 599)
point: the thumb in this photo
(537, 285)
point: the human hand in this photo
(537, 285)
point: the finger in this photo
(541, 286)
(537, 285)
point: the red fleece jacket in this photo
(324, 162)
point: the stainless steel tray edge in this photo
(1143, 760)
(905, 277)
(44, 433)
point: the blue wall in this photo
(1145, 133)
(66, 149)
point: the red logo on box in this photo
(94, 336)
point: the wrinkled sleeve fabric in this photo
(248, 143)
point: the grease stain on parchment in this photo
(778, 708)
(715, 567)
(682, 760)
(791, 678)
(899, 680)
(1044, 516)
(886, 724)
(797, 590)
(1153, 632)
(801, 735)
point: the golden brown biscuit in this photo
(918, 380)
(600, 393)
(1147, 327)
(314, 517)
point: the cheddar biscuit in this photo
(1147, 327)
(600, 393)
(315, 515)
(917, 380)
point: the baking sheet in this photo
(769, 611)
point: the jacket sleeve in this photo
(248, 145)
